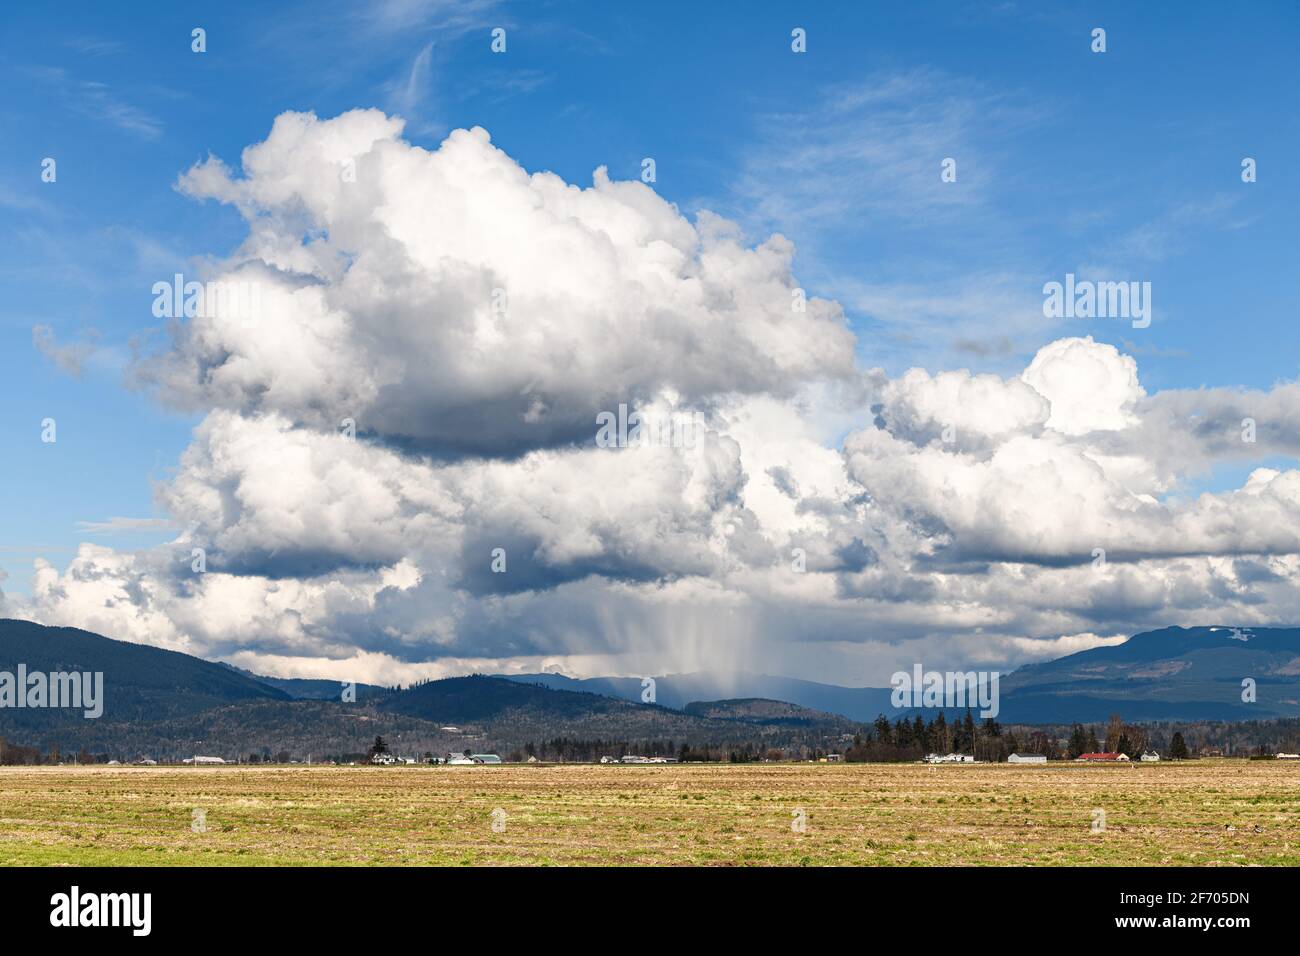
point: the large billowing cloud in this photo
(451, 301)
(399, 471)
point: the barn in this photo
(1027, 758)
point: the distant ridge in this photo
(1173, 673)
(167, 702)
(313, 688)
(677, 690)
(147, 683)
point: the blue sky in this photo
(1124, 165)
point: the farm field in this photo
(1195, 813)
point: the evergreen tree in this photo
(920, 733)
(902, 733)
(884, 733)
(1078, 742)
(1178, 747)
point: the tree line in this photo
(911, 739)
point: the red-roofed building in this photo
(1104, 758)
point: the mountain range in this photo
(678, 690)
(1174, 673)
(166, 703)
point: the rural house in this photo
(949, 758)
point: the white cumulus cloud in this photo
(436, 333)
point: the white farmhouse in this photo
(1027, 758)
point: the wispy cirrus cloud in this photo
(98, 101)
(94, 46)
(860, 169)
(1167, 234)
(120, 525)
(410, 92)
(398, 48)
(449, 17)
(874, 148)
